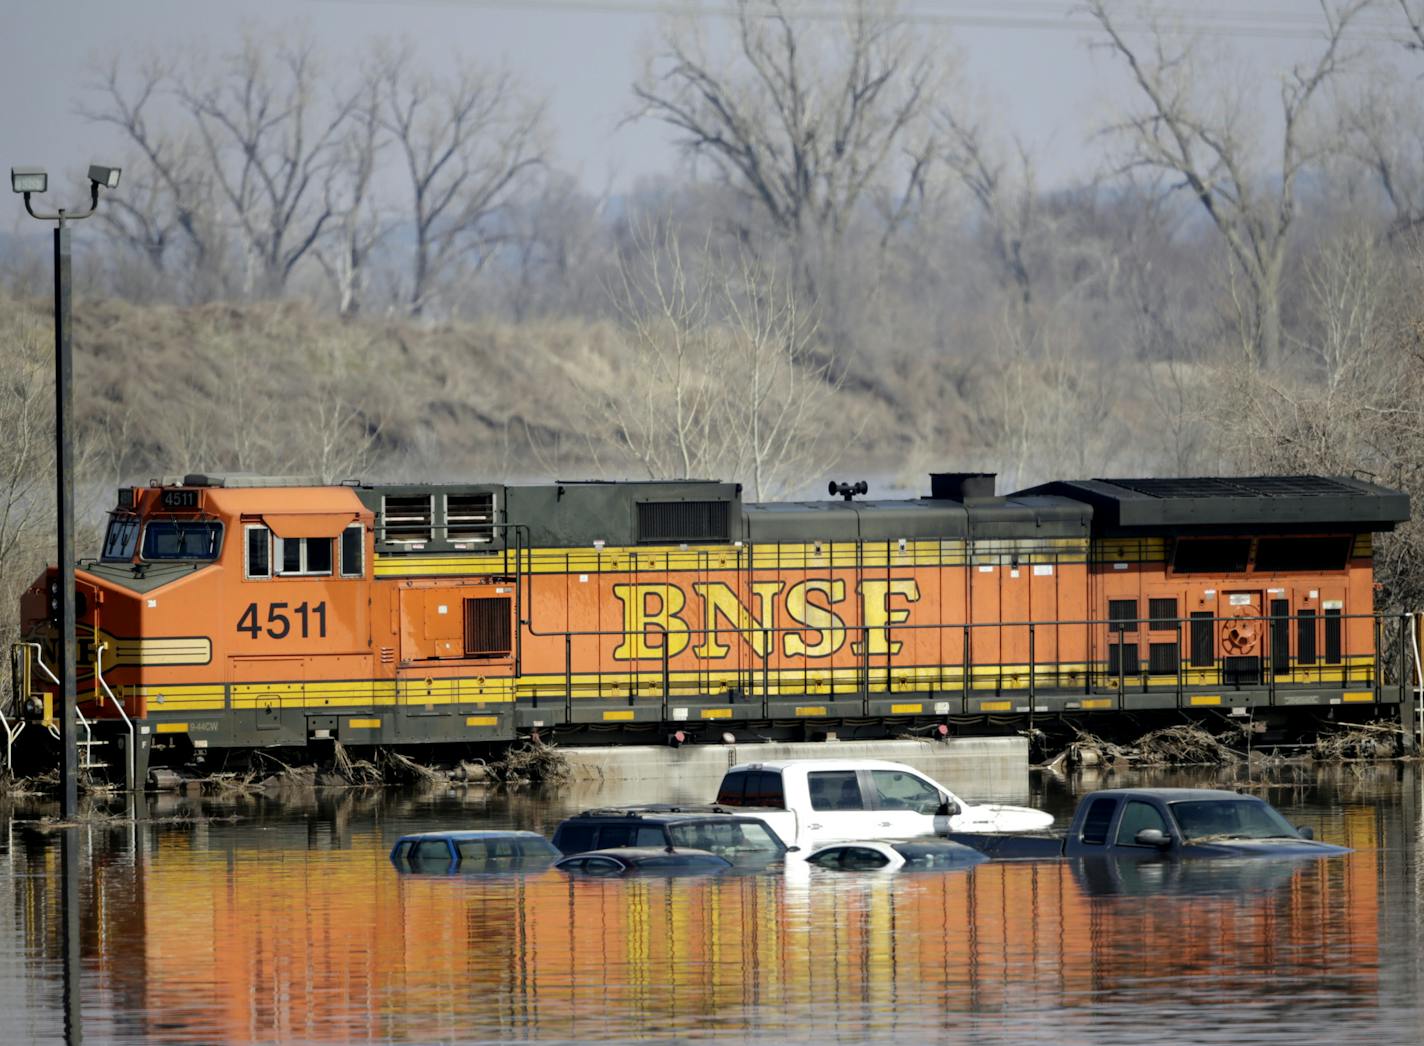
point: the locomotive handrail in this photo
(88, 732)
(1413, 626)
(132, 752)
(1265, 669)
(13, 732)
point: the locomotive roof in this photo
(980, 518)
(1226, 502)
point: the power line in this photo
(1005, 14)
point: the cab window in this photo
(304, 556)
(1136, 816)
(182, 539)
(835, 790)
(733, 790)
(1097, 820)
(121, 539)
(258, 552)
(353, 543)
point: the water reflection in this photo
(294, 926)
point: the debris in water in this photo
(533, 762)
(1359, 742)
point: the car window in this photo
(769, 793)
(897, 790)
(430, 855)
(757, 838)
(614, 835)
(834, 790)
(1096, 821)
(533, 848)
(724, 837)
(575, 838)
(489, 854)
(651, 835)
(1136, 816)
(596, 865)
(935, 853)
(733, 789)
(401, 853)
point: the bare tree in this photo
(1004, 189)
(1383, 128)
(779, 388)
(807, 125)
(270, 142)
(658, 406)
(26, 461)
(465, 143)
(357, 225)
(1209, 147)
(167, 205)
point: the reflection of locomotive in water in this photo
(328, 944)
(240, 613)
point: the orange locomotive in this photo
(240, 613)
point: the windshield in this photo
(121, 538)
(182, 539)
(1230, 819)
(724, 837)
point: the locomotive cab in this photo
(180, 560)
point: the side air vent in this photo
(406, 520)
(664, 522)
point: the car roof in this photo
(1171, 794)
(883, 845)
(470, 835)
(633, 854)
(670, 815)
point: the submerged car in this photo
(644, 860)
(740, 838)
(473, 851)
(894, 854)
(1151, 823)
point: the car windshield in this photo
(182, 539)
(1230, 819)
(726, 838)
(935, 853)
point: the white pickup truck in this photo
(811, 801)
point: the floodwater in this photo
(258, 921)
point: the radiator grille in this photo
(487, 626)
(661, 522)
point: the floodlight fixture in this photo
(28, 179)
(105, 177)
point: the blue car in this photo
(473, 852)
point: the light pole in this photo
(30, 180)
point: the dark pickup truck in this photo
(1161, 822)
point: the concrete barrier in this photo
(980, 769)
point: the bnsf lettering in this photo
(658, 618)
(279, 623)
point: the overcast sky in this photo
(1029, 59)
